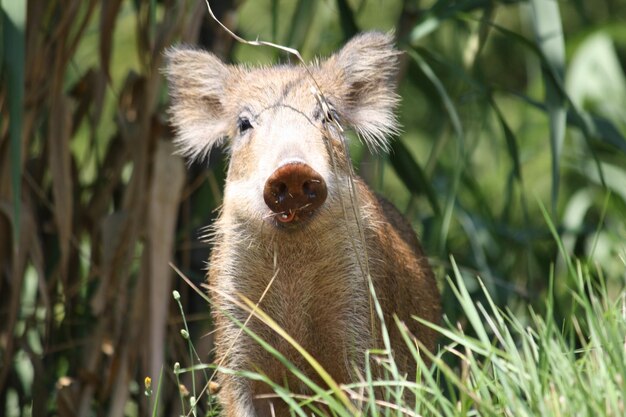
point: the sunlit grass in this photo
(493, 362)
(496, 362)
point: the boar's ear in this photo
(366, 68)
(197, 81)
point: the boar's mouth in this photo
(287, 217)
(292, 218)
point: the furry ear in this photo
(197, 82)
(366, 68)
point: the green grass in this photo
(496, 362)
(493, 362)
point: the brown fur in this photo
(319, 294)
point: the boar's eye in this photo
(328, 116)
(243, 123)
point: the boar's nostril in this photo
(279, 190)
(294, 187)
(308, 190)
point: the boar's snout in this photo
(294, 191)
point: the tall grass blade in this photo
(13, 62)
(323, 373)
(442, 11)
(301, 23)
(597, 127)
(412, 174)
(546, 19)
(557, 238)
(467, 302)
(274, 8)
(511, 141)
(455, 120)
(155, 408)
(346, 17)
(445, 97)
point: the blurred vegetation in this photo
(509, 108)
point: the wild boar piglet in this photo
(288, 215)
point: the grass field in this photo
(495, 363)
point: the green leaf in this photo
(13, 59)
(455, 120)
(441, 11)
(595, 77)
(424, 28)
(411, 173)
(557, 237)
(546, 19)
(274, 9)
(301, 22)
(615, 177)
(593, 127)
(346, 16)
(597, 127)
(445, 98)
(511, 143)
(155, 407)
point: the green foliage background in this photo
(513, 112)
